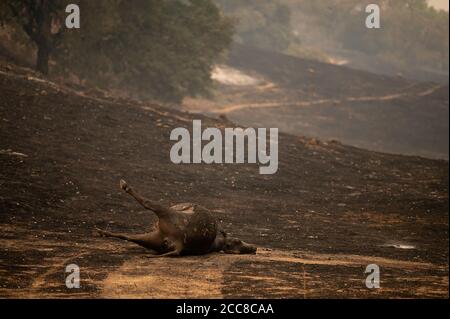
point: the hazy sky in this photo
(439, 4)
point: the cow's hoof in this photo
(123, 185)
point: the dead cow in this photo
(183, 229)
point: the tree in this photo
(412, 33)
(150, 49)
(38, 19)
(260, 23)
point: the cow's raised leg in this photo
(158, 209)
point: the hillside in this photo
(330, 210)
(358, 108)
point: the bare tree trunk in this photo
(43, 56)
(43, 38)
(36, 22)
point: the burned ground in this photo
(358, 108)
(329, 211)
